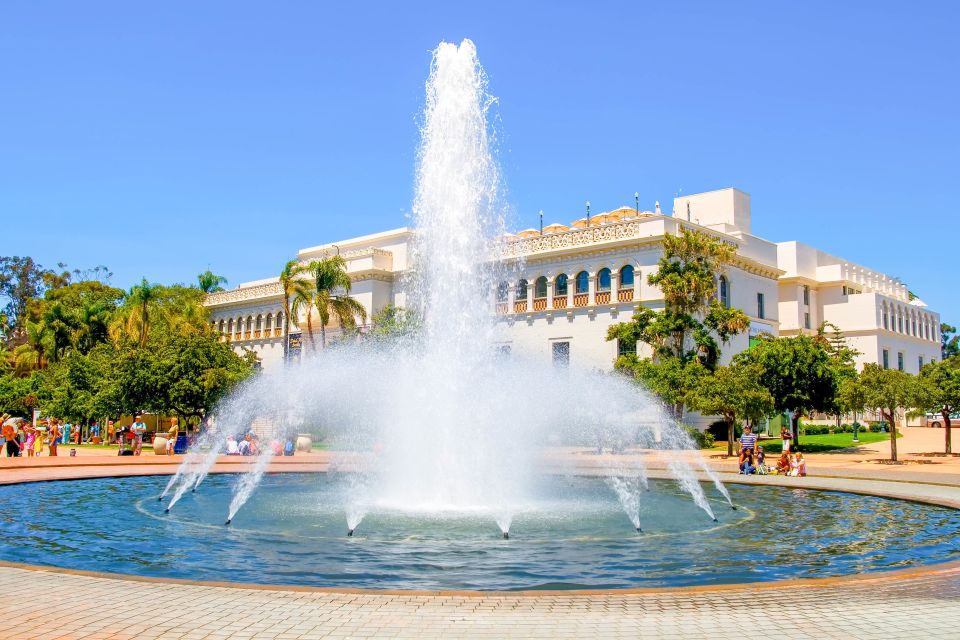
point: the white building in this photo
(574, 281)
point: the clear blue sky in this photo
(161, 139)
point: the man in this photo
(10, 435)
(139, 428)
(748, 442)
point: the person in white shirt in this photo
(232, 448)
(139, 429)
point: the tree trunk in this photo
(730, 437)
(323, 336)
(948, 449)
(892, 421)
(795, 430)
(286, 330)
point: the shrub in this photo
(702, 439)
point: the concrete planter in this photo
(160, 445)
(304, 443)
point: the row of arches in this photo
(909, 321)
(567, 290)
(251, 327)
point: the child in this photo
(783, 464)
(799, 467)
(30, 439)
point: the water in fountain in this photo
(439, 422)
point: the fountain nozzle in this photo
(639, 530)
(227, 523)
(194, 490)
(167, 510)
(715, 520)
(506, 535)
(734, 507)
(349, 533)
(160, 499)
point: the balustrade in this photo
(539, 304)
(520, 306)
(502, 307)
(625, 295)
(560, 303)
(580, 299)
(603, 297)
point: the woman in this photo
(783, 464)
(53, 436)
(172, 435)
(747, 466)
(798, 466)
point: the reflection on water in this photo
(573, 533)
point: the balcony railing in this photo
(539, 304)
(520, 306)
(560, 303)
(278, 332)
(580, 300)
(625, 295)
(502, 307)
(603, 297)
(248, 335)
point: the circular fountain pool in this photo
(573, 535)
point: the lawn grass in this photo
(821, 443)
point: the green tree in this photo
(21, 280)
(842, 359)
(209, 282)
(798, 373)
(675, 382)
(692, 321)
(293, 286)
(940, 392)
(392, 322)
(851, 397)
(733, 392)
(949, 341)
(140, 300)
(331, 295)
(888, 390)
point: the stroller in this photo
(127, 437)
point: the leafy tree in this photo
(799, 374)
(675, 382)
(940, 392)
(851, 397)
(21, 280)
(842, 359)
(692, 320)
(393, 322)
(734, 393)
(331, 295)
(949, 341)
(293, 287)
(140, 300)
(195, 373)
(18, 395)
(888, 390)
(210, 282)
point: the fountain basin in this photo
(572, 535)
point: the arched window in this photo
(603, 280)
(221, 326)
(239, 326)
(278, 323)
(249, 323)
(626, 277)
(269, 322)
(540, 287)
(724, 292)
(560, 286)
(522, 289)
(230, 326)
(582, 282)
(503, 292)
(259, 324)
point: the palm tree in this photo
(331, 298)
(293, 286)
(210, 282)
(303, 299)
(58, 325)
(140, 299)
(92, 325)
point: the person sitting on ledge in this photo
(244, 446)
(747, 466)
(761, 461)
(783, 464)
(232, 448)
(798, 466)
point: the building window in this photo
(761, 312)
(522, 289)
(583, 282)
(914, 323)
(919, 363)
(279, 320)
(886, 359)
(626, 277)
(561, 354)
(900, 360)
(886, 319)
(806, 296)
(603, 280)
(806, 320)
(540, 287)
(560, 286)
(503, 292)
(724, 292)
(900, 323)
(626, 346)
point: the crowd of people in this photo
(22, 438)
(753, 460)
(248, 444)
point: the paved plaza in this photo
(923, 602)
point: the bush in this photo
(702, 439)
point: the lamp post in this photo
(636, 200)
(541, 221)
(588, 213)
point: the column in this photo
(614, 285)
(531, 285)
(550, 292)
(592, 288)
(636, 284)
(571, 287)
